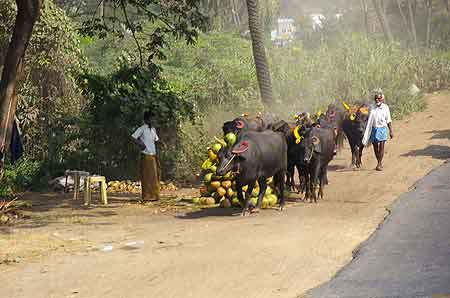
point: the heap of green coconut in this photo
(222, 189)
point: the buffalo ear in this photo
(317, 145)
(240, 148)
(240, 124)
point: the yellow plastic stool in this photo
(87, 192)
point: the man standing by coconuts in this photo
(145, 137)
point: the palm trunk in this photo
(28, 12)
(259, 52)
(412, 24)
(366, 16)
(383, 20)
(405, 20)
(429, 12)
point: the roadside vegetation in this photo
(81, 94)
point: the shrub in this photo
(24, 175)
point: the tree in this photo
(182, 19)
(381, 14)
(259, 53)
(412, 22)
(429, 4)
(28, 12)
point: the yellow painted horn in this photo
(298, 137)
(345, 105)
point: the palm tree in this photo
(259, 52)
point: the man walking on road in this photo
(377, 127)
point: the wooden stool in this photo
(76, 180)
(87, 190)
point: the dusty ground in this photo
(57, 252)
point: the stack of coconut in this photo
(222, 189)
(128, 186)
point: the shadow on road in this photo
(440, 134)
(435, 151)
(217, 212)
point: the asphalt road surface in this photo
(409, 255)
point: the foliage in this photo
(217, 73)
(181, 19)
(47, 92)
(228, 16)
(349, 69)
(116, 109)
(22, 176)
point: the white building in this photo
(285, 31)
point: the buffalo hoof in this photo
(254, 210)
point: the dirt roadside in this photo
(210, 253)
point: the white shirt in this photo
(379, 116)
(148, 136)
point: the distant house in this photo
(285, 31)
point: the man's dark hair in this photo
(147, 115)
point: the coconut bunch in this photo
(221, 190)
(124, 186)
(128, 186)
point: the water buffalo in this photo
(295, 154)
(256, 156)
(243, 123)
(319, 147)
(333, 119)
(354, 125)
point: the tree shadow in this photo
(434, 151)
(43, 209)
(336, 167)
(210, 212)
(440, 134)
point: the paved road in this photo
(409, 256)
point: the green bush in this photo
(350, 69)
(24, 175)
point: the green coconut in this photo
(207, 178)
(216, 147)
(230, 138)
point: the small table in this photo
(76, 180)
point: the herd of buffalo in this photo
(269, 147)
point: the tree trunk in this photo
(429, 13)
(259, 52)
(383, 20)
(366, 15)
(412, 24)
(28, 12)
(405, 19)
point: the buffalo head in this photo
(229, 158)
(312, 144)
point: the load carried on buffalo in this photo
(222, 189)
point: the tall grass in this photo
(349, 70)
(218, 75)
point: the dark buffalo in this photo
(295, 154)
(333, 119)
(354, 125)
(243, 123)
(319, 147)
(256, 156)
